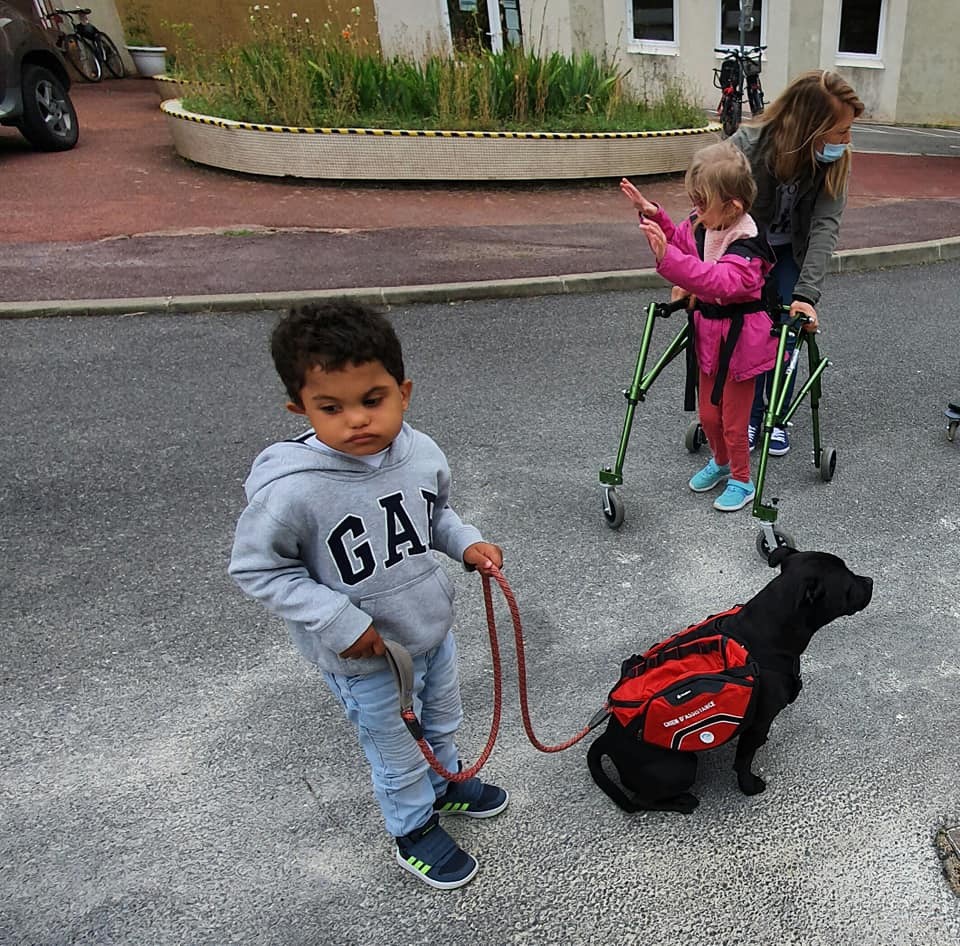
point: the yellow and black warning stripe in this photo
(179, 112)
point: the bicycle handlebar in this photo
(735, 50)
(82, 12)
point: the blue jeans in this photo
(786, 273)
(404, 784)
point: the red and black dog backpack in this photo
(691, 692)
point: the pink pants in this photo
(726, 424)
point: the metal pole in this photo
(496, 34)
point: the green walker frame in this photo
(779, 413)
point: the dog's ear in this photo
(810, 594)
(777, 556)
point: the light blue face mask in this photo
(831, 153)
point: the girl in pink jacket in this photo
(717, 257)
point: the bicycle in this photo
(77, 49)
(105, 48)
(739, 64)
(88, 48)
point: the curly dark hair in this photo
(331, 335)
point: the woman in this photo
(800, 157)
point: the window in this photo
(654, 21)
(730, 24)
(860, 27)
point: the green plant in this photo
(185, 60)
(136, 25)
(292, 72)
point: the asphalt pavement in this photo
(172, 773)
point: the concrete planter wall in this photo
(379, 154)
(168, 87)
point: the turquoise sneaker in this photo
(708, 477)
(735, 496)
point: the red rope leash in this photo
(521, 660)
(416, 730)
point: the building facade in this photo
(901, 56)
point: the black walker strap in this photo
(693, 371)
(726, 352)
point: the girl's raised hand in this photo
(640, 203)
(655, 237)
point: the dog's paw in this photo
(750, 784)
(685, 803)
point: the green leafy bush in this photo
(292, 72)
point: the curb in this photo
(845, 261)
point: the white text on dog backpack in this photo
(691, 692)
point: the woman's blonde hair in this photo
(805, 111)
(720, 173)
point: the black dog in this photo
(775, 626)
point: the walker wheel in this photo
(783, 538)
(828, 464)
(952, 429)
(694, 438)
(612, 508)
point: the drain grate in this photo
(947, 843)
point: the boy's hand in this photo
(483, 556)
(368, 644)
(640, 203)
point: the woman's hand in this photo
(804, 308)
(483, 556)
(640, 203)
(677, 293)
(368, 644)
(655, 237)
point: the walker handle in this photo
(665, 309)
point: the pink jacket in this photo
(737, 276)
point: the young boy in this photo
(338, 540)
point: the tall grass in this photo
(292, 72)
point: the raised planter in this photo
(385, 154)
(168, 87)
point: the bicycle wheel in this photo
(730, 118)
(755, 96)
(83, 57)
(111, 55)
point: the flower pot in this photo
(149, 60)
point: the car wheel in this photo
(49, 120)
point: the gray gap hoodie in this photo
(332, 546)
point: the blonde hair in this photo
(806, 110)
(720, 173)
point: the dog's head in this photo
(824, 587)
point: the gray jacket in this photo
(815, 223)
(332, 546)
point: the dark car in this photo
(34, 81)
